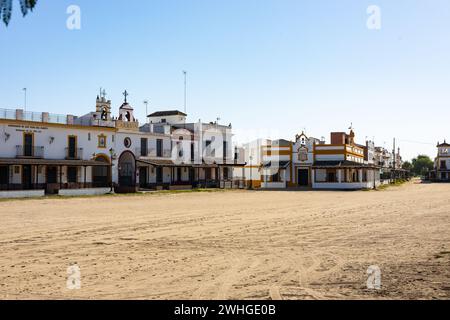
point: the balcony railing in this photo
(152, 153)
(57, 118)
(139, 152)
(32, 116)
(8, 114)
(29, 152)
(74, 154)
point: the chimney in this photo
(19, 114)
(45, 116)
(70, 119)
(338, 138)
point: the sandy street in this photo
(230, 245)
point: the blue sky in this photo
(265, 66)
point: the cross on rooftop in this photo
(125, 94)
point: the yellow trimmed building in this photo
(311, 163)
(343, 164)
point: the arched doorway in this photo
(127, 170)
(101, 175)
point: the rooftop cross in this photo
(125, 94)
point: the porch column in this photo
(219, 178)
(339, 175)
(9, 177)
(60, 177)
(360, 175)
(37, 177)
(84, 177)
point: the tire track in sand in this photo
(221, 286)
(305, 273)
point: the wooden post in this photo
(60, 177)
(85, 177)
(37, 177)
(9, 174)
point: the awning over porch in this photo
(170, 163)
(274, 164)
(51, 162)
(162, 163)
(342, 164)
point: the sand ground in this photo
(230, 245)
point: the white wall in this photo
(53, 139)
(175, 119)
(273, 185)
(84, 192)
(320, 174)
(344, 186)
(369, 184)
(21, 194)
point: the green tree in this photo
(422, 165)
(6, 7)
(407, 166)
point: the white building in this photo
(442, 163)
(42, 153)
(48, 153)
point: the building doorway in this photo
(72, 148)
(143, 177)
(72, 174)
(52, 175)
(159, 175)
(27, 177)
(127, 169)
(4, 176)
(191, 175)
(101, 174)
(303, 177)
(28, 145)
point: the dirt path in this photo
(230, 245)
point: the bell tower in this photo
(126, 110)
(103, 107)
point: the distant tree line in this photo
(419, 166)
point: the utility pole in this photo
(146, 110)
(25, 99)
(185, 90)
